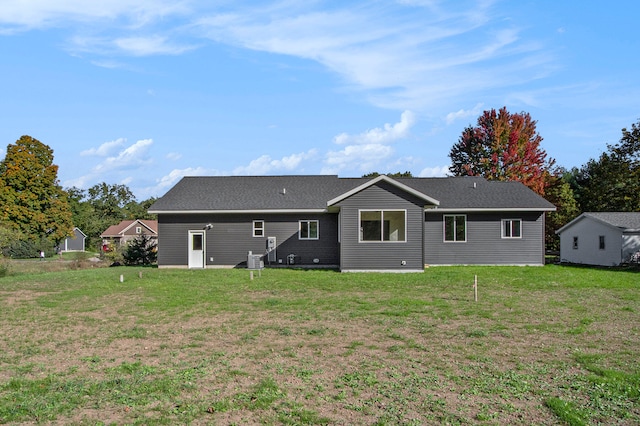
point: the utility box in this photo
(271, 249)
(254, 261)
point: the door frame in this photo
(190, 259)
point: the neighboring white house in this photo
(604, 238)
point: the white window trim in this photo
(404, 240)
(444, 229)
(261, 229)
(300, 222)
(502, 223)
(138, 229)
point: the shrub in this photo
(140, 251)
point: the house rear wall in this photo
(231, 238)
(387, 255)
(485, 245)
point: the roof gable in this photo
(120, 229)
(389, 180)
(625, 221)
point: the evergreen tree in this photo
(140, 251)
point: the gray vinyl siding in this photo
(231, 238)
(484, 244)
(356, 255)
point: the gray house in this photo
(72, 243)
(606, 239)
(354, 224)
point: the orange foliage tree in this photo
(503, 146)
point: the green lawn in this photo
(542, 345)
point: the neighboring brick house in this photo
(353, 224)
(127, 230)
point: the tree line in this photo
(507, 146)
(36, 213)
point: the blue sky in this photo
(143, 92)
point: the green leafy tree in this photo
(135, 210)
(31, 199)
(109, 202)
(502, 146)
(559, 193)
(406, 174)
(612, 182)
(140, 251)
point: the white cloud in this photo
(266, 165)
(388, 133)
(177, 174)
(438, 171)
(421, 63)
(474, 112)
(132, 156)
(174, 156)
(45, 13)
(369, 150)
(366, 158)
(104, 149)
(151, 45)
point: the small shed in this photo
(601, 238)
(73, 243)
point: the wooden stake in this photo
(140, 274)
(475, 288)
(251, 275)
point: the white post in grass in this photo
(121, 278)
(475, 288)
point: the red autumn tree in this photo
(503, 146)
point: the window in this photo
(196, 242)
(455, 228)
(575, 243)
(258, 228)
(383, 225)
(511, 228)
(308, 230)
(138, 229)
(601, 242)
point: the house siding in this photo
(588, 232)
(484, 243)
(231, 238)
(356, 255)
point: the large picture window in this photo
(308, 230)
(455, 228)
(511, 228)
(383, 225)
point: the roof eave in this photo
(248, 211)
(490, 209)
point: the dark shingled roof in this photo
(623, 220)
(220, 193)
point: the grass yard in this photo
(545, 345)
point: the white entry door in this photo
(196, 249)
